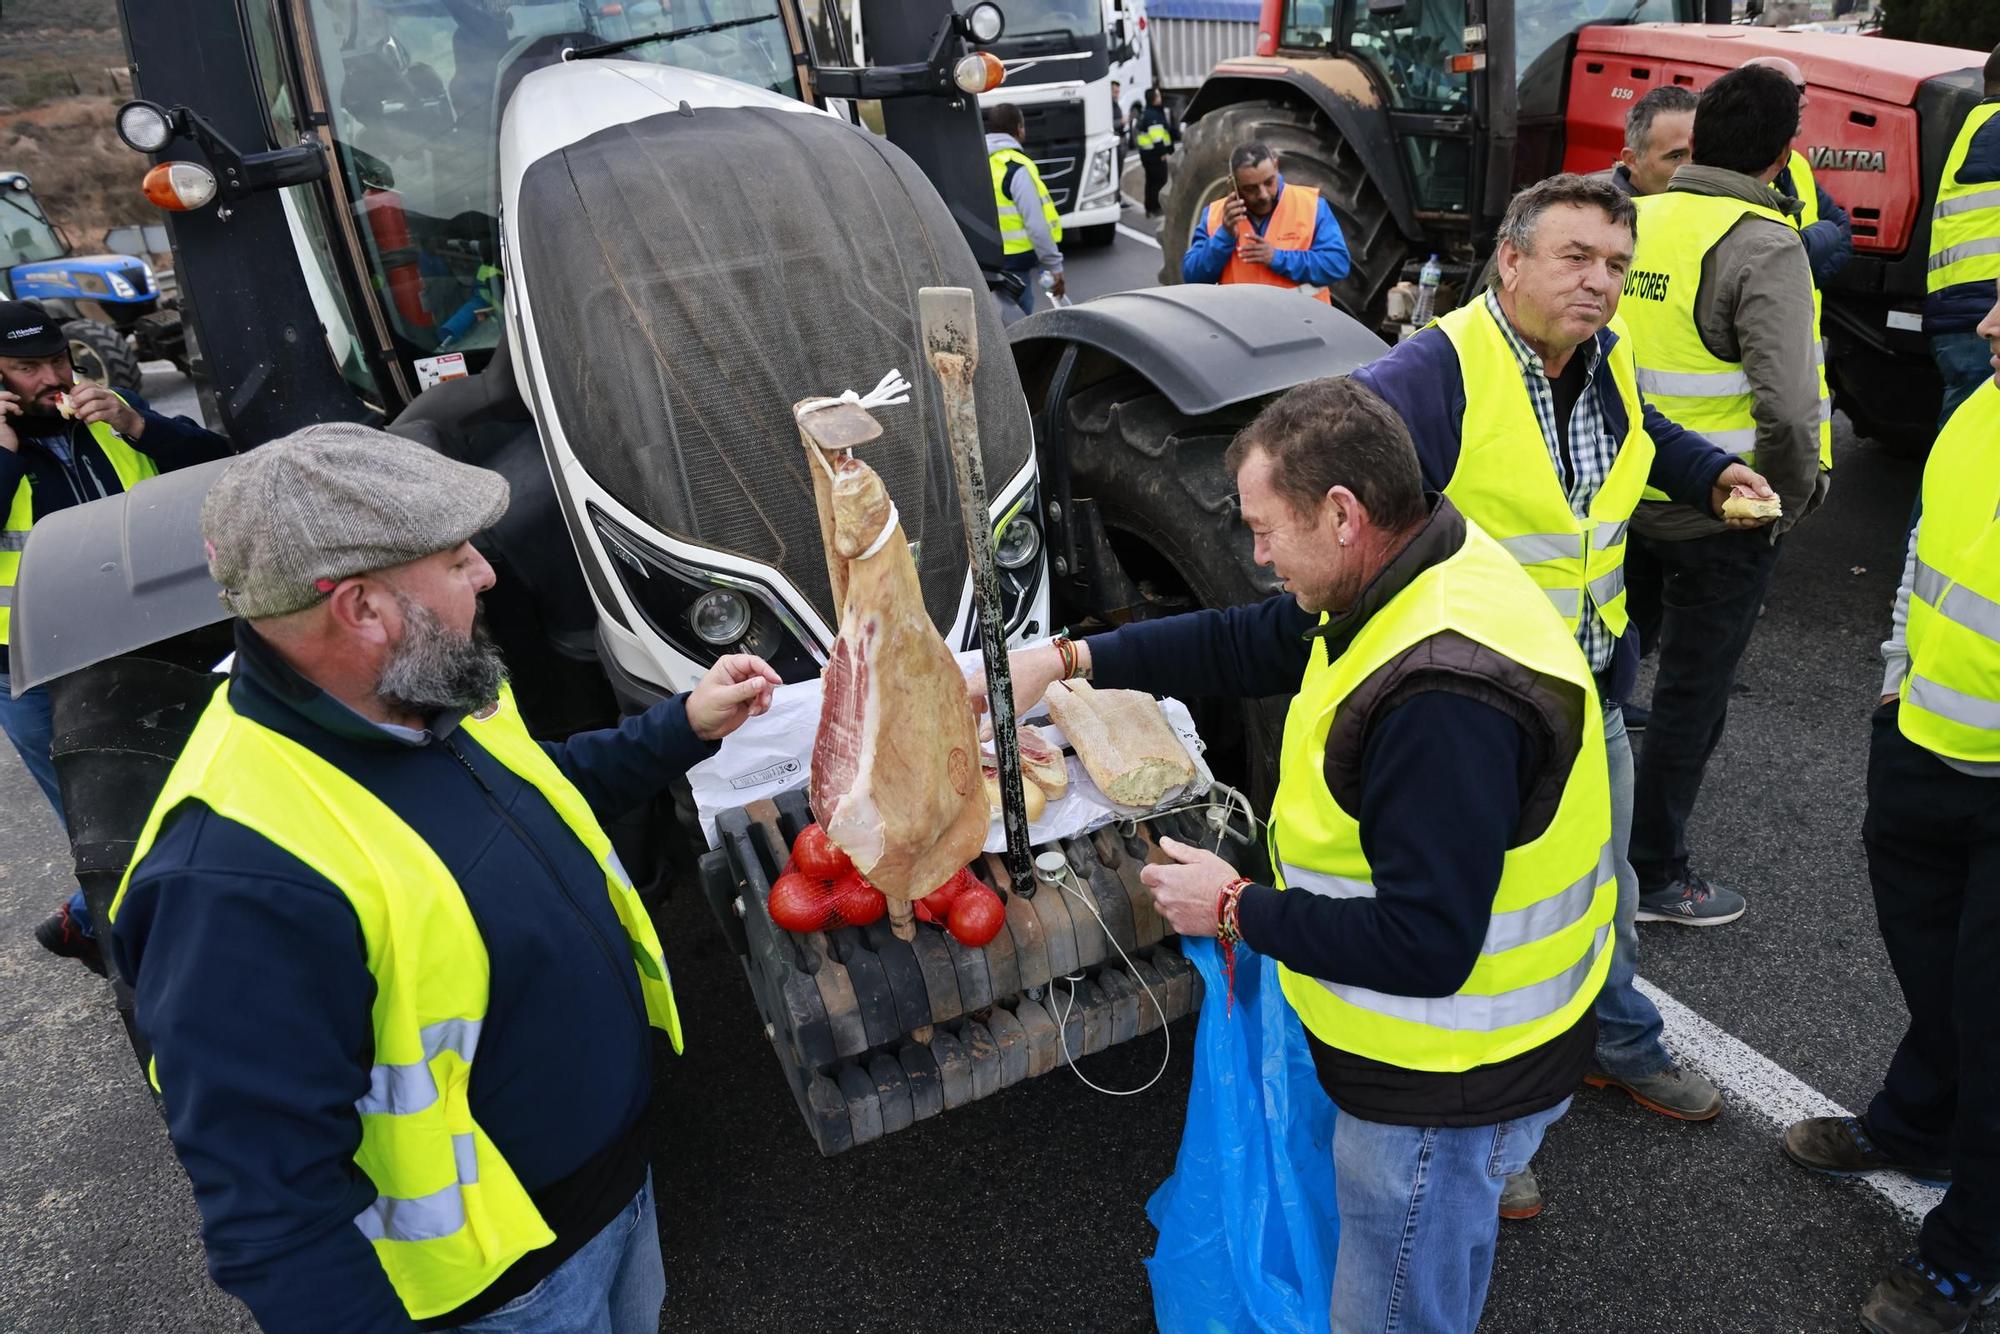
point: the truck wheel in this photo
(1311, 152)
(1170, 512)
(102, 354)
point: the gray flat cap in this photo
(287, 520)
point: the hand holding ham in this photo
(735, 690)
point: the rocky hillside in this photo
(60, 65)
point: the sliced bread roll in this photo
(1124, 741)
(1030, 792)
(1042, 763)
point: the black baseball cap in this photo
(26, 330)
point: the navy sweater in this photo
(1830, 241)
(1441, 800)
(252, 988)
(1960, 307)
(1422, 380)
(58, 483)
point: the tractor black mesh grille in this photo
(692, 275)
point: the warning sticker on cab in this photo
(444, 366)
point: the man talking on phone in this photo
(1267, 231)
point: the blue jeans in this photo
(1628, 1025)
(614, 1285)
(26, 722)
(1419, 1215)
(1963, 360)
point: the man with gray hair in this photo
(1526, 412)
(397, 986)
(1659, 132)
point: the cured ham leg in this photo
(895, 771)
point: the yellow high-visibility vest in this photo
(450, 1215)
(1548, 946)
(1951, 694)
(1689, 384)
(131, 467)
(1506, 482)
(1965, 220)
(1014, 238)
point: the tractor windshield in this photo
(26, 237)
(416, 88)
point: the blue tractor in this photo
(111, 305)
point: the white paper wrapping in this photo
(773, 754)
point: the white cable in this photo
(1062, 1015)
(891, 389)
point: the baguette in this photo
(1123, 740)
(1030, 792)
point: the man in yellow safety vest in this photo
(1933, 821)
(1030, 228)
(66, 442)
(396, 982)
(1965, 248)
(1441, 835)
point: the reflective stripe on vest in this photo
(1155, 136)
(1951, 694)
(1689, 384)
(1014, 238)
(130, 467)
(450, 1214)
(1546, 951)
(1507, 482)
(1293, 222)
(1965, 221)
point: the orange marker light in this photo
(179, 186)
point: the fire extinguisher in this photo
(391, 230)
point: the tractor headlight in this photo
(119, 287)
(1018, 543)
(719, 617)
(146, 127)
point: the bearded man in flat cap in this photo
(397, 986)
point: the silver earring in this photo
(1343, 541)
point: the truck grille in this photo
(1055, 142)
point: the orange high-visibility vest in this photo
(1290, 228)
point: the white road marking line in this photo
(1137, 235)
(1771, 1091)
(1129, 202)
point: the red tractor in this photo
(1419, 118)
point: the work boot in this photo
(1691, 901)
(1841, 1146)
(59, 935)
(1917, 1298)
(1521, 1197)
(1681, 1094)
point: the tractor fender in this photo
(1204, 347)
(1342, 89)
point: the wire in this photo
(1062, 1014)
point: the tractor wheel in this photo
(1310, 152)
(1170, 512)
(103, 355)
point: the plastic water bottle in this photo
(1427, 293)
(1048, 282)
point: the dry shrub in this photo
(86, 178)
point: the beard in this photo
(432, 669)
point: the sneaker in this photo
(1691, 901)
(1521, 1197)
(1841, 1146)
(59, 935)
(1636, 716)
(1681, 1094)
(1917, 1298)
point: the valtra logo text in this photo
(1845, 159)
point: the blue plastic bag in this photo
(1247, 1222)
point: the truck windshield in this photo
(25, 234)
(416, 89)
(1042, 18)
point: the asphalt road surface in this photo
(1026, 1211)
